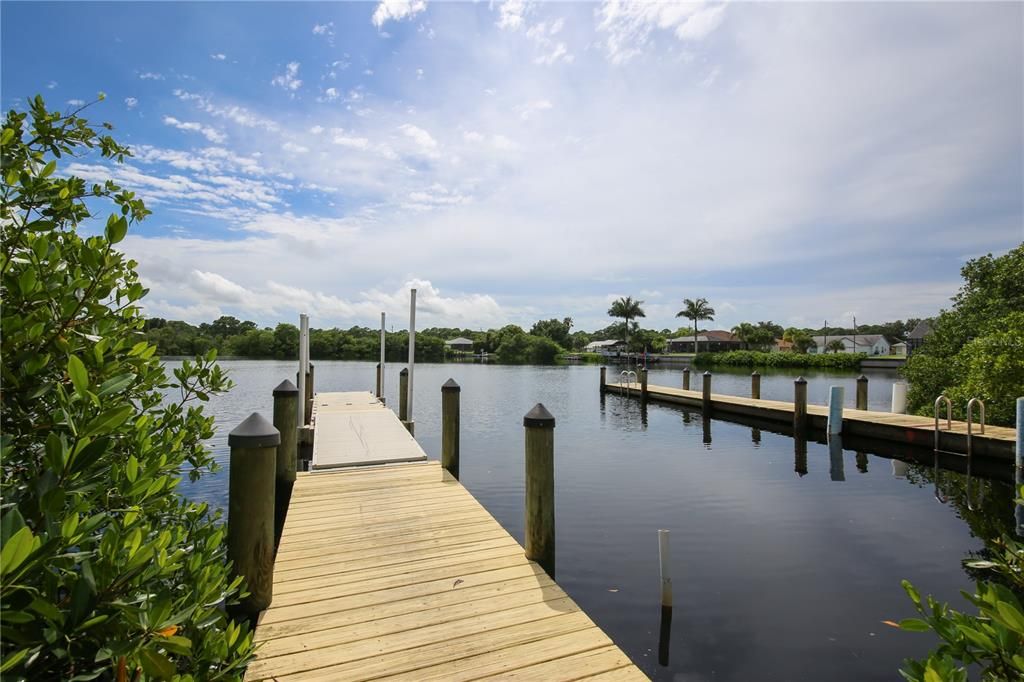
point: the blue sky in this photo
(523, 160)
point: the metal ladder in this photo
(942, 399)
(627, 379)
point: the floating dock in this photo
(393, 570)
(996, 441)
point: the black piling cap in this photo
(254, 432)
(404, 372)
(285, 388)
(800, 380)
(450, 385)
(539, 417)
(862, 378)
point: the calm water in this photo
(778, 576)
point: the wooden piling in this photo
(686, 379)
(755, 386)
(450, 427)
(403, 396)
(643, 383)
(540, 487)
(706, 394)
(285, 415)
(862, 392)
(380, 389)
(836, 398)
(799, 407)
(253, 446)
(604, 378)
(309, 394)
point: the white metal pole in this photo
(302, 373)
(665, 566)
(382, 345)
(412, 351)
(899, 398)
(835, 410)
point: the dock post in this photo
(383, 347)
(835, 410)
(540, 487)
(862, 392)
(309, 391)
(899, 398)
(285, 414)
(665, 569)
(403, 398)
(1019, 471)
(604, 379)
(253, 446)
(379, 389)
(410, 424)
(686, 379)
(799, 407)
(450, 427)
(706, 395)
(643, 384)
(755, 386)
(300, 375)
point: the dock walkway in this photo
(397, 572)
(997, 441)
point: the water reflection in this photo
(836, 470)
(755, 437)
(706, 431)
(800, 456)
(862, 462)
(664, 635)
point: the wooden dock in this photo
(395, 571)
(996, 442)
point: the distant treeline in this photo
(543, 343)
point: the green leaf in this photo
(108, 420)
(117, 230)
(11, 660)
(16, 550)
(115, 384)
(47, 169)
(79, 375)
(1011, 616)
(156, 664)
(131, 469)
(914, 625)
(7, 136)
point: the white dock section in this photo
(356, 429)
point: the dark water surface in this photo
(777, 575)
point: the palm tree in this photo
(745, 332)
(696, 310)
(836, 346)
(628, 309)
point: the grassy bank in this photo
(749, 358)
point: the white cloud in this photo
(511, 13)
(51, 85)
(211, 134)
(76, 102)
(131, 102)
(324, 29)
(151, 76)
(397, 10)
(289, 80)
(316, 130)
(630, 23)
(219, 56)
(293, 148)
(424, 140)
(237, 114)
(527, 110)
(342, 139)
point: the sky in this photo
(518, 160)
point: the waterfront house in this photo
(899, 348)
(460, 344)
(917, 336)
(712, 340)
(869, 344)
(609, 347)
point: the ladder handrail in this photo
(949, 417)
(970, 411)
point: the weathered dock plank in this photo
(997, 441)
(397, 572)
